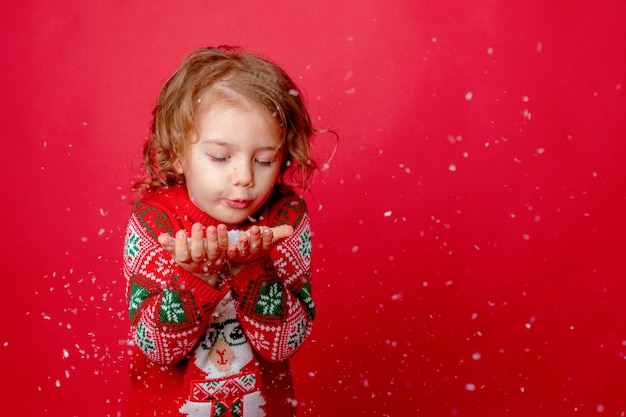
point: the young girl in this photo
(217, 252)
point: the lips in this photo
(238, 203)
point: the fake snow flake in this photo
(476, 356)
(397, 297)
(387, 213)
(293, 92)
(66, 354)
(470, 387)
(526, 236)
(469, 95)
(452, 168)
(405, 168)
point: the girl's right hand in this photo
(202, 257)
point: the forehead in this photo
(223, 97)
(237, 125)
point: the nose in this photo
(242, 174)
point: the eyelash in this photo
(264, 163)
(220, 159)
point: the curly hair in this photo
(231, 74)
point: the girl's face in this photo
(232, 167)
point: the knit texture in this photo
(204, 351)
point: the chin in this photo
(233, 219)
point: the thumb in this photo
(167, 242)
(281, 232)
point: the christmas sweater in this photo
(223, 351)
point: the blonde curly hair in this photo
(231, 74)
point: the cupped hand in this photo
(203, 257)
(255, 244)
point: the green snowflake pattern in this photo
(237, 409)
(307, 298)
(172, 310)
(138, 294)
(131, 246)
(297, 337)
(305, 244)
(270, 302)
(145, 343)
(219, 409)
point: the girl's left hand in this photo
(256, 245)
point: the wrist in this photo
(211, 279)
(234, 268)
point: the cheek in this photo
(273, 176)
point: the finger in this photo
(181, 248)
(214, 256)
(268, 238)
(232, 252)
(255, 239)
(212, 244)
(222, 238)
(197, 242)
(243, 245)
(167, 242)
(281, 232)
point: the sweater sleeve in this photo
(273, 295)
(169, 307)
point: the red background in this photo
(469, 250)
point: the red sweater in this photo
(204, 351)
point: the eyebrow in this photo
(220, 142)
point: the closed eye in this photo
(263, 163)
(218, 158)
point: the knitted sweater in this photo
(205, 351)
